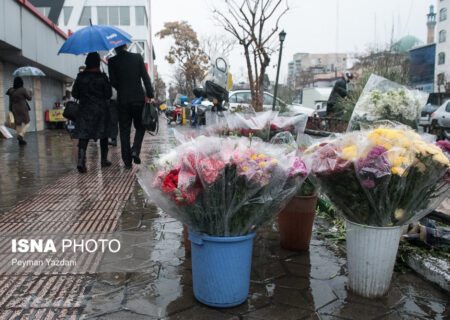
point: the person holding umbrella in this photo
(93, 90)
(18, 105)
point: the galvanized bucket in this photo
(371, 253)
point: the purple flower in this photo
(444, 145)
(376, 163)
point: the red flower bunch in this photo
(170, 182)
(326, 160)
(209, 169)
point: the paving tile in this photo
(201, 313)
(279, 312)
(351, 310)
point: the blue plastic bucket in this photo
(221, 269)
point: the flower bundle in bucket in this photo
(383, 99)
(379, 180)
(223, 190)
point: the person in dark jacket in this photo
(126, 71)
(339, 92)
(18, 105)
(93, 90)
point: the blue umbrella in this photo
(95, 38)
(28, 71)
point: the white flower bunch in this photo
(398, 102)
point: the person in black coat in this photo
(126, 71)
(339, 92)
(93, 90)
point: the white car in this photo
(244, 98)
(440, 120)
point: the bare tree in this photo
(254, 23)
(160, 88)
(215, 45)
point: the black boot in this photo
(104, 155)
(81, 165)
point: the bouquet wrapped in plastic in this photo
(250, 124)
(383, 99)
(295, 124)
(264, 125)
(382, 177)
(224, 187)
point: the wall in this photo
(38, 42)
(442, 47)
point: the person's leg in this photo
(82, 146)
(114, 122)
(25, 129)
(104, 153)
(140, 131)
(125, 128)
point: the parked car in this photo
(440, 121)
(425, 116)
(243, 98)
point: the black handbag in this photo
(150, 119)
(71, 110)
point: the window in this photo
(44, 10)
(102, 15)
(268, 99)
(85, 16)
(124, 16)
(233, 98)
(67, 11)
(447, 107)
(141, 16)
(244, 97)
(441, 78)
(441, 58)
(443, 14)
(113, 16)
(442, 36)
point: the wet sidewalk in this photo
(41, 191)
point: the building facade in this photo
(314, 66)
(132, 16)
(28, 38)
(442, 64)
(421, 70)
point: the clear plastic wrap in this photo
(383, 99)
(382, 177)
(224, 187)
(264, 125)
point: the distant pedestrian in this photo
(339, 92)
(18, 105)
(127, 71)
(93, 90)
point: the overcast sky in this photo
(310, 26)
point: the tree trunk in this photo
(250, 75)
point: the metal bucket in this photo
(371, 253)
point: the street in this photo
(41, 191)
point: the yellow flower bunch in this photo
(428, 149)
(350, 153)
(391, 138)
